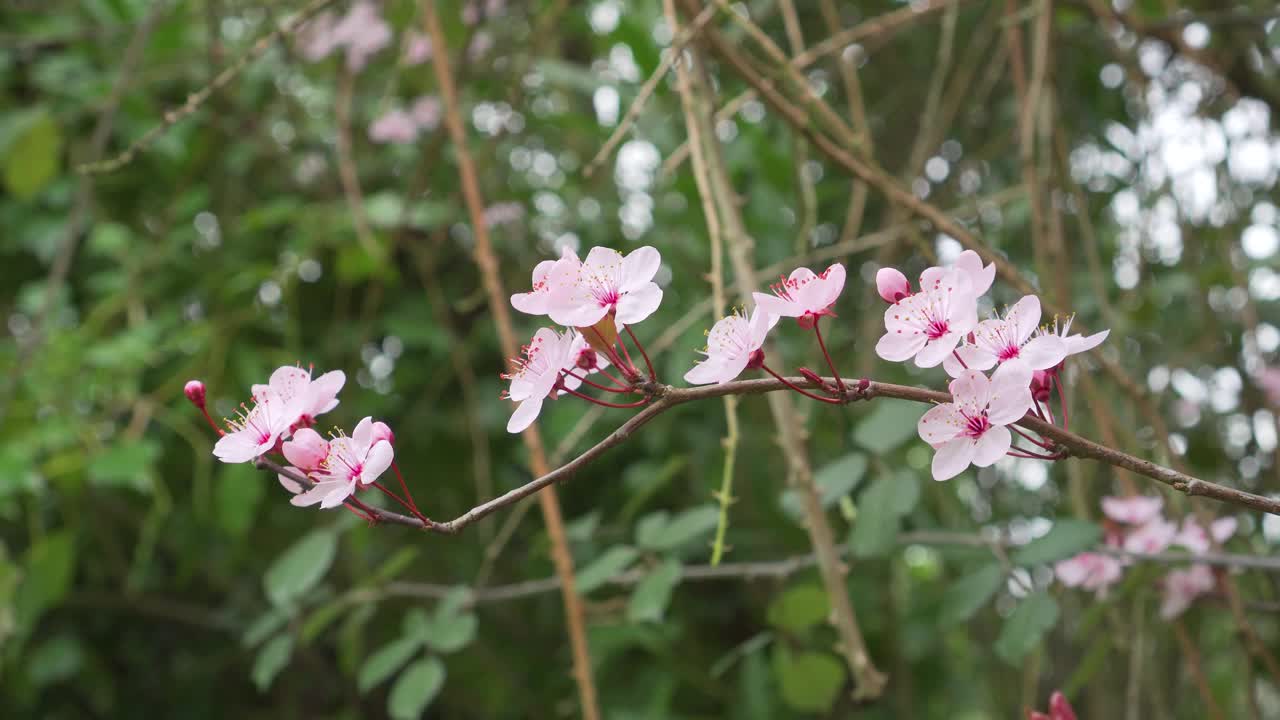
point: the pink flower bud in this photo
(587, 359)
(812, 377)
(893, 285)
(1059, 708)
(1037, 715)
(807, 321)
(382, 431)
(755, 360)
(1041, 385)
(194, 390)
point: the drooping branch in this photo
(666, 397)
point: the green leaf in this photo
(970, 593)
(48, 568)
(451, 632)
(834, 480)
(649, 529)
(126, 464)
(799, 608)
(809, 681)
(239, 492)
(265, 625)
(880, 508)
(414, 690)
(887, 427)
(1023, 631)
(1066, 538)
(58, 658)
(653, 593)
(386, 661)
(685, 527)
(33, 154)
(612, 563)
(384, 209)
(300, 567)
(271, 659)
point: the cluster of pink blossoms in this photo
(280, 422)
(1136, 525)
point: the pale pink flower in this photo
(503, 213)
(1135, 510)
(1075, 344)
(313, 397)
(363, 32)
(255, 431)
(352, 462)
(1009, 338)
(732, 346)
(803, 294)
(892, 285)
(535, 376)
(1152, 537)
(927, 326)
(1088, 570)
(538, 300)
(481, 43)
(307, 452)
(426, 112)
(316, 38)
(382, 431)
(971, 429)
(394, 126)
(417, 49)
(1182, 587)
(1193, 537)
(969, 263)
(606, 282)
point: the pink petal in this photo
(775, 305)
(317, 493)
(974, 357)
(992, 446)
(1024, 316)
(980, 277)
(306, 450)
(892, 284)
(1079, 344)
(578, 314)
(1043, 352)
(289, 380)
(363, 433)
(936, 351)
(822, 292)
(525, 414)
(1223, 528)
(289, 484)
(636, 305)
(377, 462)
(718, 370)
(240, 447)
(941, 424)
(1010, 397)
(1136, 510)
(639, 267)
(952, 458)
(971, 392)
(896, 346)
(758, 328)
(338, 495)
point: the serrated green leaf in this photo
(300, 567)
(416, 687)
(1064, 539)
(970, 593)
(652, 594)
(799, 608)
(1035, 615)
(271, 659)
(612, 563)
(384, 663)
(808, 681)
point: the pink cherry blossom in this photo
(313, 397)
(1002, 339)
(307, 452)
(352, 462)
(972, 428)
(426, 112)
(255, 431)
(535, 376)
(1091, 571)
(1182, 587)
(1135, 510)
(1193, 537)
(363, 32)
(927, 326)
(538, 300)
(606, 282)
(803, 293)
(417, 48)
(1075, 344)
(892, 285)
(732, 346)
(394, 126)
(969, 263)
(315, 38)
(1152, 537)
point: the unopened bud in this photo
(807, 321)
(382, 431)
(1041, 385)
(892, 285)
(194, 390)
(755, 360)
(1059, 708)
(812, 377)
(587, 360)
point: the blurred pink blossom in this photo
(395, 126)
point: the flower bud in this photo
(382, 431)
(892, 285)
(587, 360)
(1041, 385)
(807, 321)
(755, 360)
(194, 390)
(1059, 708)
(812, 377)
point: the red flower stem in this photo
(959, 359)
(1039, 410)
(831, 364)
(403, 485)
(1028, 438)
(603, 403)
(1062, 400)
(205, 412)
(1024, 453)
(613, 379)
(403, 503)
(360, 514)
(597, 386)
(368, 510)
(630, 368)
(802, 391)
(652, 375)
(608, 347)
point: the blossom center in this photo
(976, 425)
(936, 328)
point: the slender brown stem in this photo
(802, 391)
